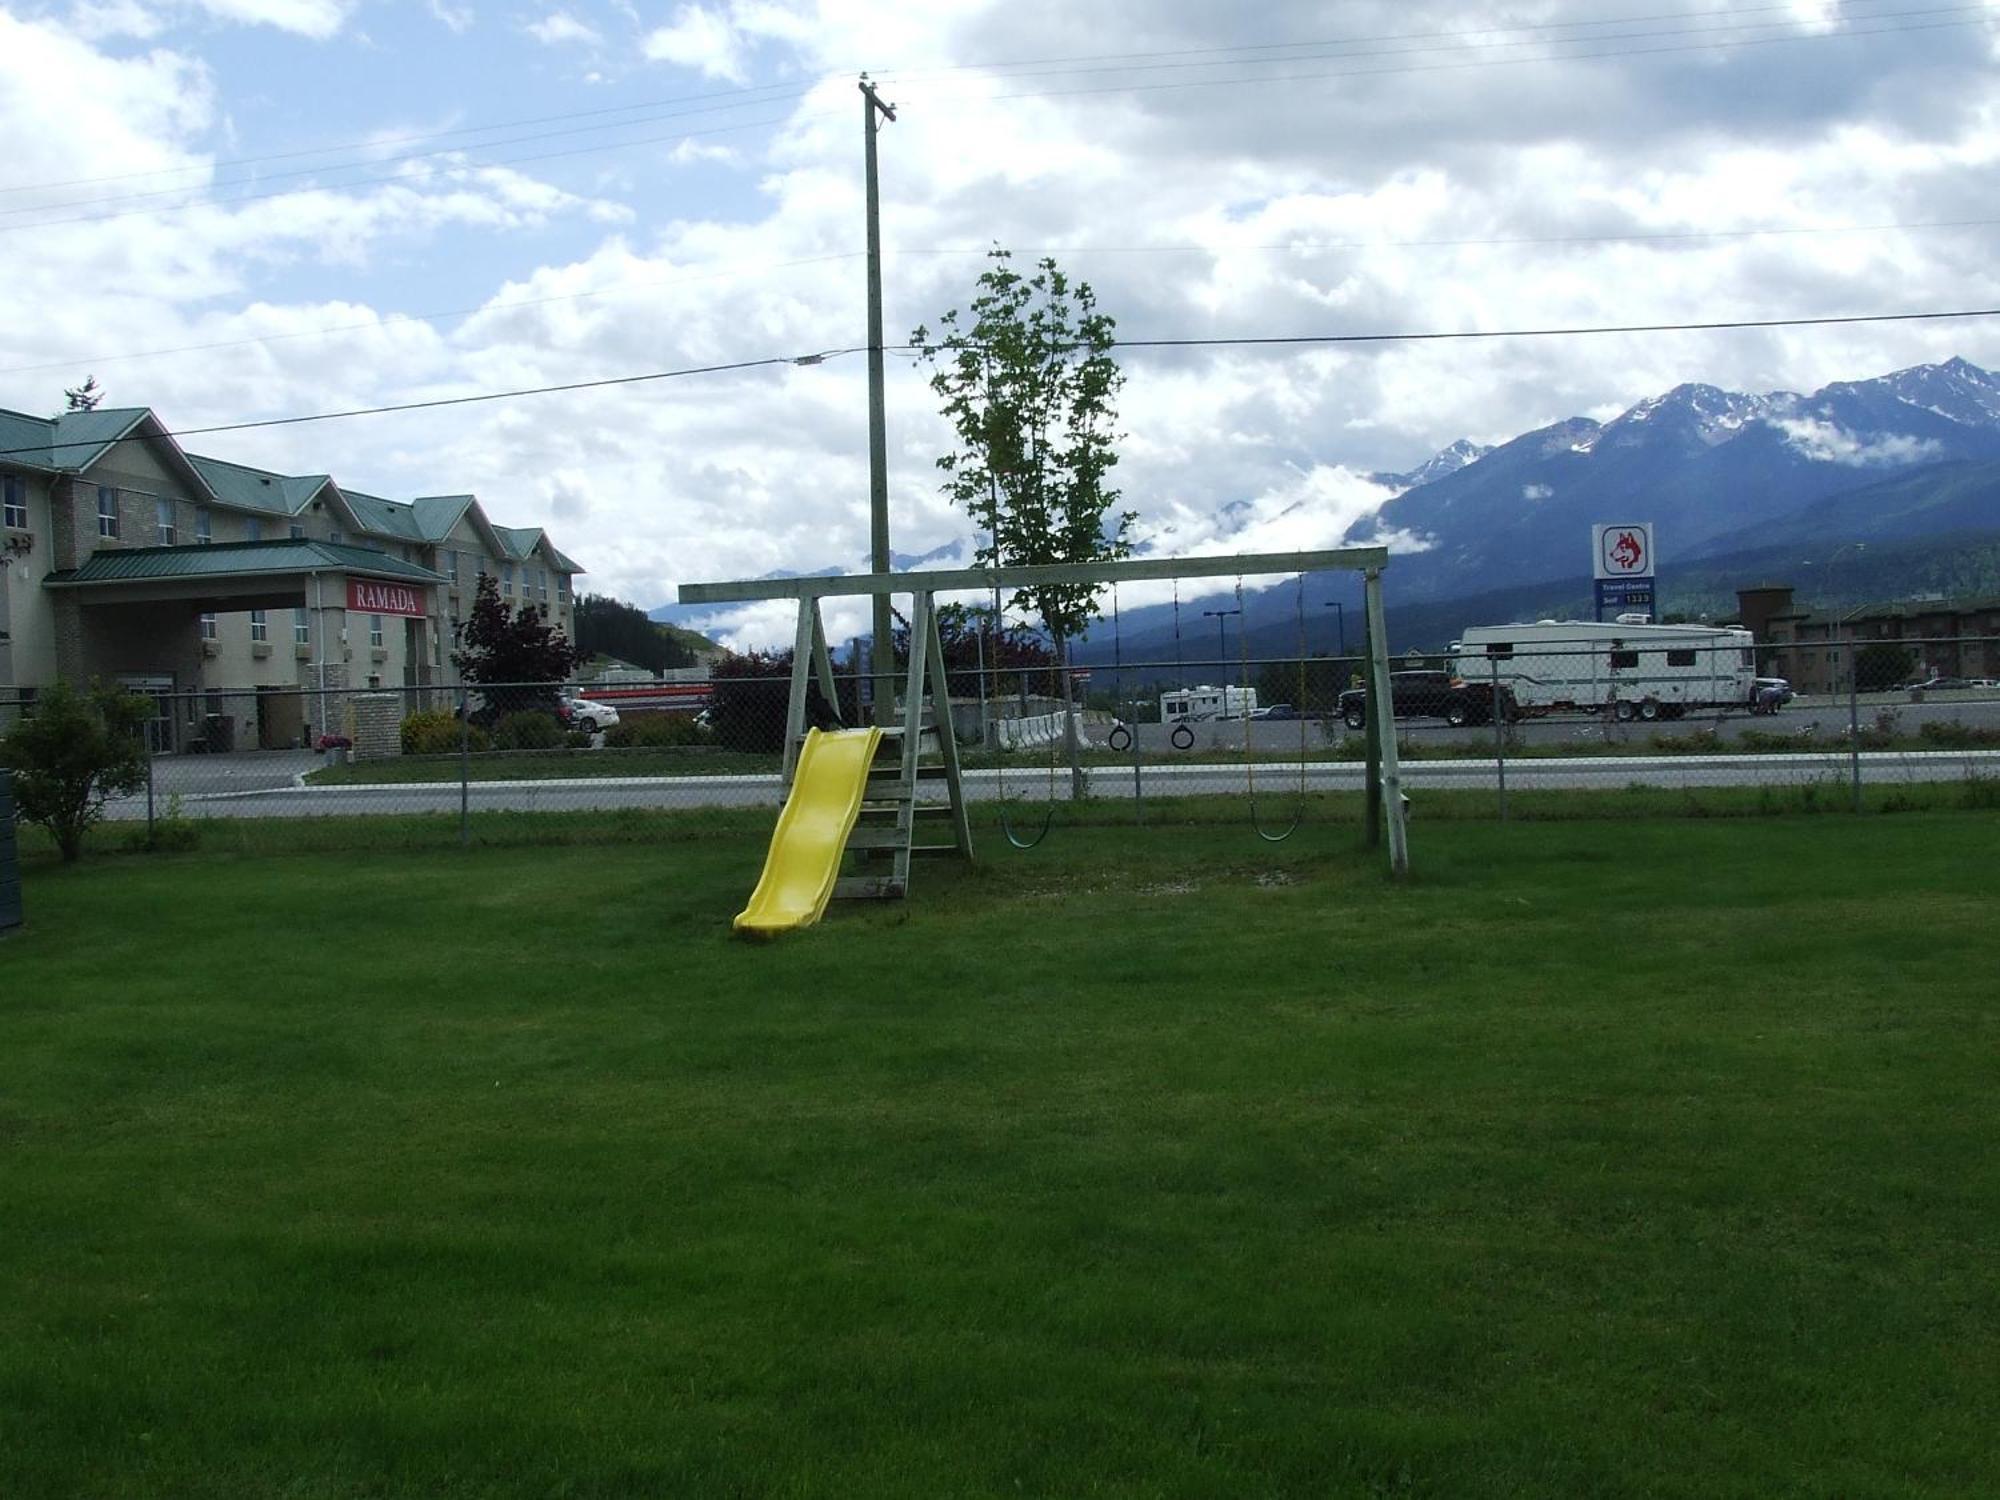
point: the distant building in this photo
(221, 590)
(1945, 637)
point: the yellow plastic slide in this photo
(812, 831)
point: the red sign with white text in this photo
(370, 596)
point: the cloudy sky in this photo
(239, 209)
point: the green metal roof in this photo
(521, 541)
(437, 514)
(236, 559)
(245, 488)
(382, 517)
(66, 444)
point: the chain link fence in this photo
(1496, 728)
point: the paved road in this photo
(678, 793)
(1825, 717)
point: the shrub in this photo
(576, 739)
(76, 752)
(435, 732)
(528, 731)
(1949, 734)
(655, 732)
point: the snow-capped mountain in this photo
(1700, 462)
(1446, 461)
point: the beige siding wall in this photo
(28, 657)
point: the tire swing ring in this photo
(1182, 738)
(1120, 738)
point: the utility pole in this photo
(1221, 618)
(884, 653)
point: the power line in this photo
(1231, 341)
(1117, 58)
(779, 92)
(1490, 62)
(775, 93)
(482, 396)
(1318, 51)
(1670, 236)
(373, 181)
(1719, 325)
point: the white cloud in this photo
(456, 18)
(1536, 492)
(96, 19)
(1826, 442)
(318, 19)
(702, 39)
(559, 28)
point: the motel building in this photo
(244, 602)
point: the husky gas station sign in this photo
(1623, 565)
(371, 596)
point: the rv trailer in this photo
(1625, 667)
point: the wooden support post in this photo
(1382, 722)
(795, 706)
(913, 691)
(823, 666)
(961, 824)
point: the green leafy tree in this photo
(611, 627)
(75, 752)
(1026, 379)
(516, 651)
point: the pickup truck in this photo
(1432, 695)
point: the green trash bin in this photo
(10, 860)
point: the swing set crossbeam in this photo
(957, 580)
(927, 680)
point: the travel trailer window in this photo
(1499, 648)
(1681, 658)
(1624, 659)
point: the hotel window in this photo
(451, 566)
(163, 521)
(507, 579)
(107, 510)
(334, 536)
(204, 526)
(375, 630)
(562, 587)
(208, 627)
(298, 532)
(260, 627)
(16, 501)
(301, 628)
(542, 585)
(253, 530)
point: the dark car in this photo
(1275, 711)
(1432, 695)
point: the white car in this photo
(582, 713)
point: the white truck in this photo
(1626, 667)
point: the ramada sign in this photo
(369, 596)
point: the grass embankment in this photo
(1153, 1161)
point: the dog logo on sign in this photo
(1625, 551)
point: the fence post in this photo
(1499, 737)
(1854, 719)
(1372, 753)
(150, 753)
(464, 768)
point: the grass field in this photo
(1650, 1158)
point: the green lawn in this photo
(1650, 1158)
